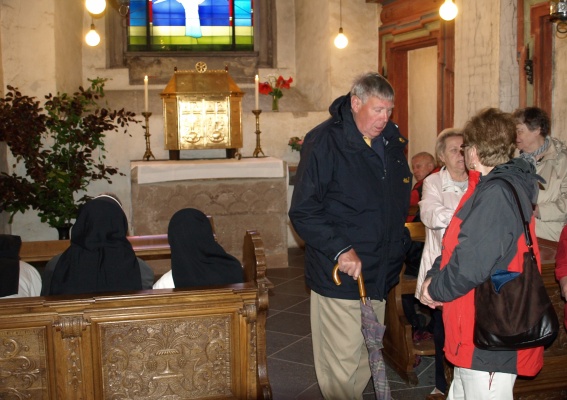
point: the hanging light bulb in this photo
(341, 40)
(448, 10)
(95, 6)
(92, 38)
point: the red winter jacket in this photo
(485, 234)
(561, 261)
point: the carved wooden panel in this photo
(23, 372)
(181, 358)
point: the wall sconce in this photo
(558, 13)
(529, 66)
(95, 7)
(448, 11)
(341, 40)
(92, 37)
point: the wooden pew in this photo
(399, 349)
(146, 247)
(551, 382)
(168, 343)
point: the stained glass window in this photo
(191, 25)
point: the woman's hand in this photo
(350, 264)
(563, 286)
(425, 298)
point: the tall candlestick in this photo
(256, 91)
(146, 93)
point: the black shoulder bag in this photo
(513, 310)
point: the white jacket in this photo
(165, 282)
(29, 283)
(552, 197)
(439, 199)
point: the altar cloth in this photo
(230, 168)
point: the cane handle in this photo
(337, 280)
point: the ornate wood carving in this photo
(178, 358)
(255, 268)
(71, 327)
(23, 373)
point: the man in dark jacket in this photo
(350, 203)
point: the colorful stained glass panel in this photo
(190, 25)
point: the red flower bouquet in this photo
(295, 143)
(273, 87)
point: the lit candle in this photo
(256, 91)
(146, 93)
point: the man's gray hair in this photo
(372, 84)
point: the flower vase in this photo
(275, 103)
(63, 231)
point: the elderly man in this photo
(422, 165)
(349, 205)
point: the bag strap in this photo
(525, 222)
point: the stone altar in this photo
(250, 193)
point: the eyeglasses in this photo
(463, 147)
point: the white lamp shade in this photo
(95, 6)
(92, 38)
(341, 40)
(448, 10)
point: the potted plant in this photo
(61, 147)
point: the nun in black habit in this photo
(100, 257)
(196, 258)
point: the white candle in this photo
(256, 90)
(146, 93)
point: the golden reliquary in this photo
(202, 110)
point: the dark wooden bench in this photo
(399, 348)
(167, 343)
(146, 247)
(551, 382)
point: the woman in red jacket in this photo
(561, 266)
(485, 234)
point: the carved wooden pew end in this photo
(178, 343)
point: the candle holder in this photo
(148, 154)
(258, 149)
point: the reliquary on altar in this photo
(202, 110)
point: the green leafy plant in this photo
(61, 147)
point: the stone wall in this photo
(236, 205)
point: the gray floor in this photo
(290, 356)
